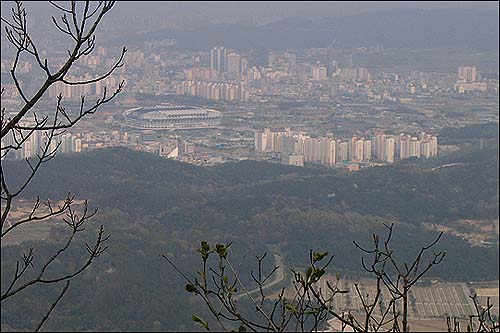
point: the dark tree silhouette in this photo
(79, 22)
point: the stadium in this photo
(172, 117)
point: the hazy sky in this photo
(195, 24)
(245, 10)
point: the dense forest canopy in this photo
(151, 205)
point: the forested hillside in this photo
(151, 206)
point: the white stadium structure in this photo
(172, 117)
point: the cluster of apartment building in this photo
(227, 63)
(35, 143)
(75, 92)
(228, 75)
(219, 82)
(146, 140)
(425, 145)
(467, 80)
(297, 148)
(220, 91)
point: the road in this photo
(279, 276)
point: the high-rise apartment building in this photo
(357, 149)
(367, 150)
(433, 145)
(328, 152)
(271, 141)
(425, 149)
(428, 147)
(289, 145)
(414, 147)
(467, 73)
(243, 66)
(233, 65)
(380, 146)
(389, 149)
(319, 73)
(310, 150)
(422, 136)
(404, 147)
(343, 151)
(260, 141)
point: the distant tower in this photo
(233, 63)
(218, 58)
(481, 144)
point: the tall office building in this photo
(218, 57)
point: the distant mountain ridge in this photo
(396, 28)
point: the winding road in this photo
(279, 276)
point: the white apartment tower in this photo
(414, 147)
(367, 150)
(389, 149)
(343, 151)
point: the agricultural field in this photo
(430, 304)
(436, 300)
(440, 300)
(35, 230)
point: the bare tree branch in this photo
(44, 319)
(79, 21)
